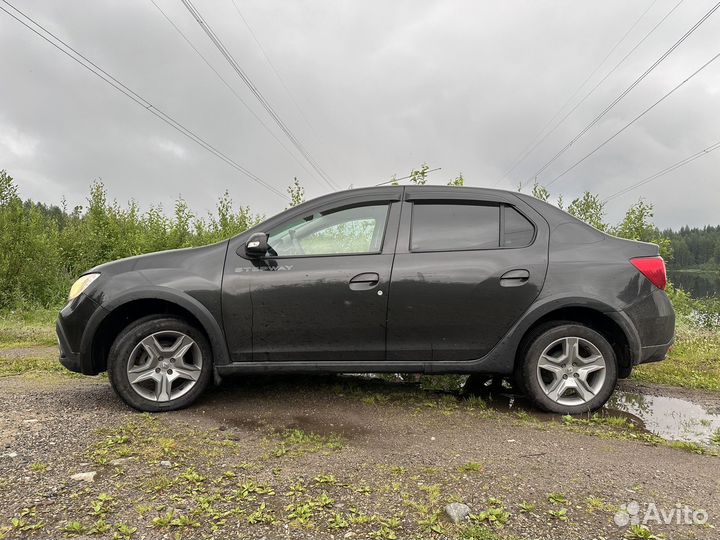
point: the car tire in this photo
(160, 363)
(568, 368)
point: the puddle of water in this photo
(668, 417)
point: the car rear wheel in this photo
(160, 364)
(568, 368)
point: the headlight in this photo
(81, 284)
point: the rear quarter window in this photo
(518, 231)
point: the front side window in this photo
(454, 226)
(359, 229)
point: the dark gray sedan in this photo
(389, 279)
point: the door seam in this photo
(392, 267)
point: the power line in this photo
(229, 86)
(666, 170)
(626, 91)
(274, 69)
(263, 101)
(540, 138)
(638, 117)
(78, 57)
(318, 137)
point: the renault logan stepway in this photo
(387, 279)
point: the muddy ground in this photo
(331, 457)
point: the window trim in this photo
(388, 205)
(471, 202)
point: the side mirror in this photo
(257, 245)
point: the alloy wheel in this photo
(164, 366)
(571, 371)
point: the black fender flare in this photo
(501, 359)
(554, 303)
(210, 325)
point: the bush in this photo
(43, 249)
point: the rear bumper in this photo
(654, 320)
(654, 353)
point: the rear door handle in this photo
(514, 278)
(365, 281)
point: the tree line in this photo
(43, 248)
(695, 247)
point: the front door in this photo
(320, 294)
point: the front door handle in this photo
(514, 278)
(365, 281)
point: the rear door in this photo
(468, 264)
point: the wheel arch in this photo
(137, 304)
(611, 324)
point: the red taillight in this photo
(652, 268)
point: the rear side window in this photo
(460, 226)
(454, 226)
(517, 229)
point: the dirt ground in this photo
(328, 457)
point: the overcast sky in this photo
(371, 89)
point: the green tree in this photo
(30, 266)
(638, 225)
(420, 176)
(297, 193)
(590, 209)
(540, 192)
(458, 181)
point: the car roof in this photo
(434, 188)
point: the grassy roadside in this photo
(33, 332)
(32, 328)
(693, 362)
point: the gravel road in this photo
(331, 457)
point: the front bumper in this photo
(74, 331)
(69, 359)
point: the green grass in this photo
(35, 364)
(693, 362)
(27, 328)
(296, 442)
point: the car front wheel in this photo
(160, 364)
(568, 368)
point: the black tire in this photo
(544, 336)
(130, 338)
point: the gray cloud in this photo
(465, 86)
